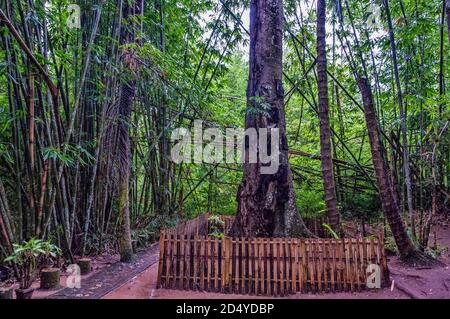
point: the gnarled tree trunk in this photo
(325, 130)
(266, 202)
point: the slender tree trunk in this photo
(266, 202)
(447, 10)
(406, 168)
(407, 250)
(325, 131)
(31, 114)
(127, 93)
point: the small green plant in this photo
(437, 251)
(216, 227)
(310, 202)
(258, 106)
(51, 253)
(28, 258)
(331, 231)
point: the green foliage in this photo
(216, 227)
(258, 106)
(330, 230)
(362, 205)
(310, 203)
(436, 251)
(70, 156)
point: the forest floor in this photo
(114, 280)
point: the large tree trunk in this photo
(325, 131)
(406, 248)
(266, 202)
(127, 92)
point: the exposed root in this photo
(407, 291)
(419, 259)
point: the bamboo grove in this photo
(86, 114)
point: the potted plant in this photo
(27, 257)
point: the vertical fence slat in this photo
(255, 265)
(182, 261)
(288, 261)
(244, 266)
(312, 263)
(294, 260)
(188, 261)
(168, 261)
(196, 262)
(236, 267)
(162, 238)
(332, 253)
(269, 263)
(325, 265)
(303, 269)
(228, 262)
(222, 264)
(209, 261)
(282, 265)
(349, 259)
(202, 263)
(319, 251)
(250, 265)
(275, 267)
(216, 264)
(261, 266)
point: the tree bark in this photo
(266, 202)
(127, 93)
(447, 10)
(405, 153)
(325, 131)
(406, 248)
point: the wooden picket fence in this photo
(263, 266)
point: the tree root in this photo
(407, 291)
(419, 259)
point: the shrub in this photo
(29, 256)
(216, 227)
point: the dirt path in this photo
(426, 283)
(111, 277)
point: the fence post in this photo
(226, 264)
(384, 266)
(162, 237)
